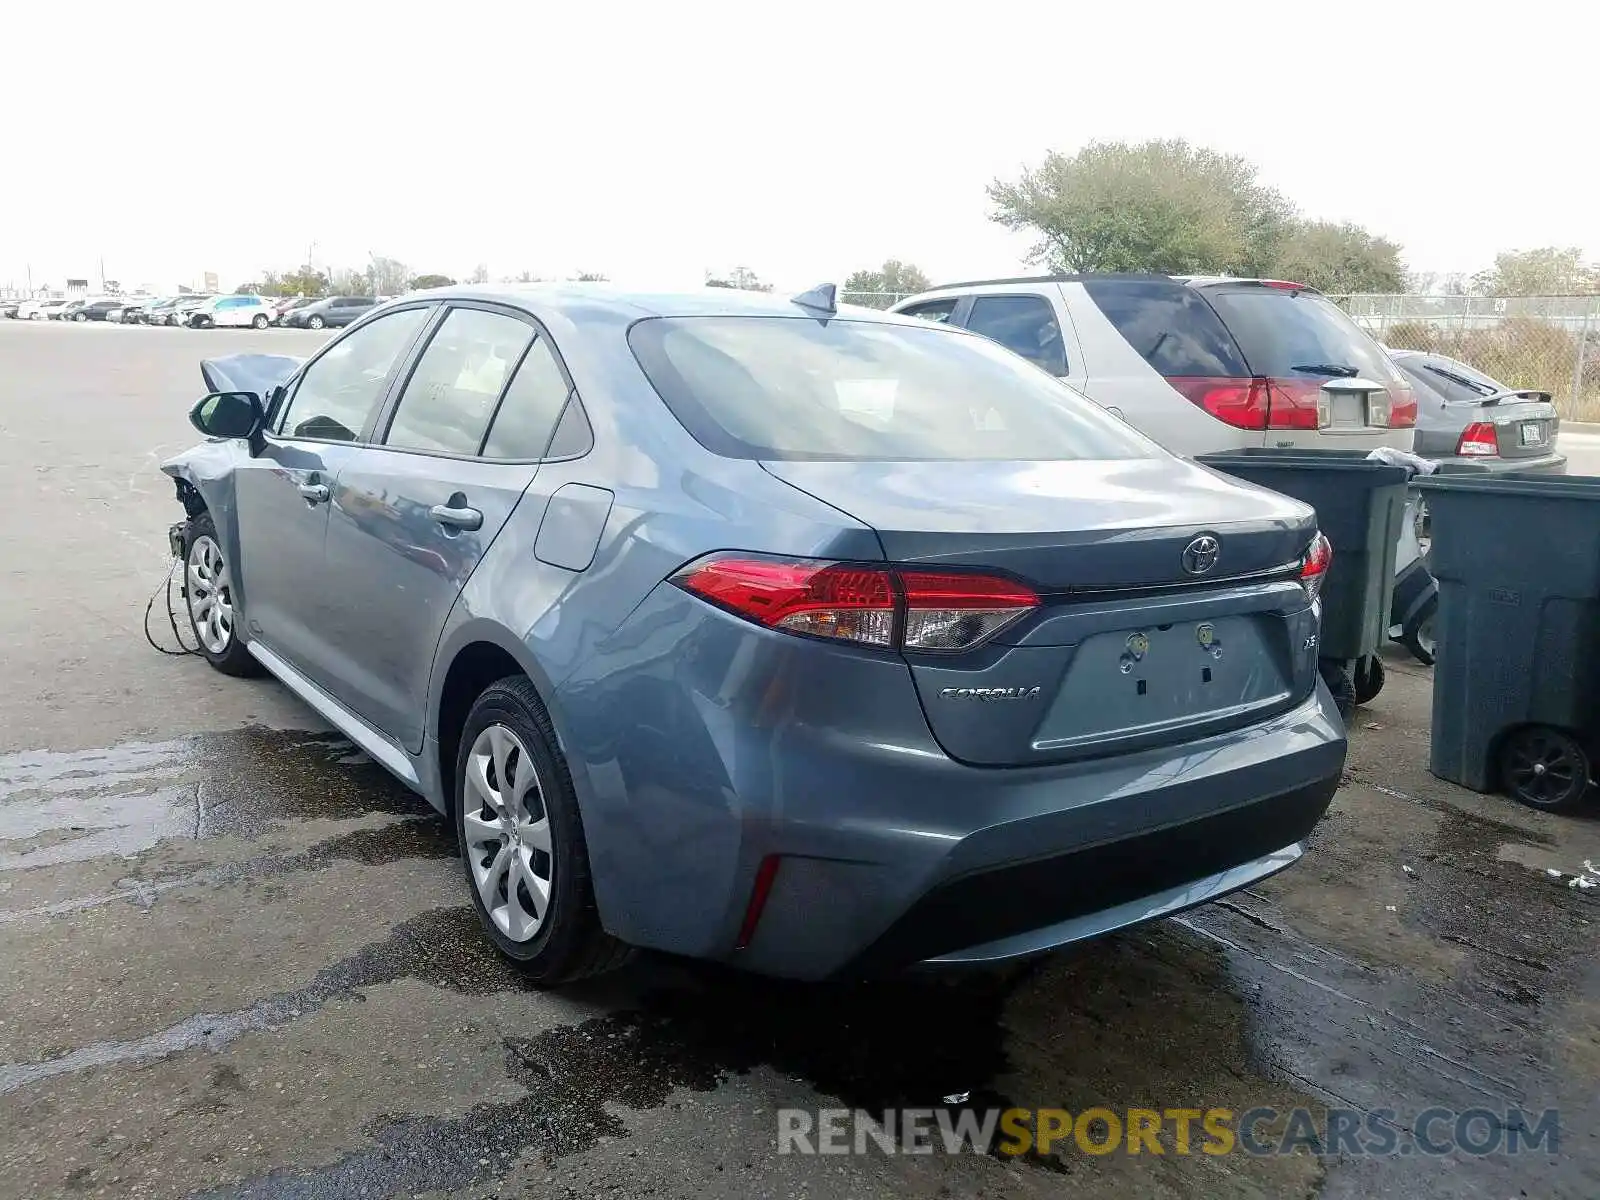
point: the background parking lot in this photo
(240, 961)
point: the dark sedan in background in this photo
(1471, 422)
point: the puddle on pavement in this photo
(60, 807)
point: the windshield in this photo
(799, 388)
(1284, 334)
(1454, 381)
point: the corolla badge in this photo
(990, 693)
(1200, 555)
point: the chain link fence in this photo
(1551, 343)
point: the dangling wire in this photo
(172, 617)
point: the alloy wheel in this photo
(507, 833)
(210, 595)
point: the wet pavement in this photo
(238, 961)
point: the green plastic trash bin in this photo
(1516, 688)
(1360, 505)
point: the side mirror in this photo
(229, 415)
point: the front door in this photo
(284, 493)
(416, 511)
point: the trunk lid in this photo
(1132, 646)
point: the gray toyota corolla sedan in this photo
(813, 640)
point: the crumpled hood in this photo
(258, 373)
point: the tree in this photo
(480, 274)
(1437, 283)
(431, 281)
(1547, 271)
(741, 278)
(1338, 258)
(388, 276)
(347, 282)
(1156, 206)
(589, 277)
(881, 288)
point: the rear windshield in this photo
(1283, 333)
(1171, 327)
(1454, 381)
(860, 391)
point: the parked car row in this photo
(199, 310)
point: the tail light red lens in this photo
(1297, 404)
(870, 605)
(1241, 403)
(1402, 407)
(1479, 440)
(1314, 565)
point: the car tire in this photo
(208, 599)
(505, 844)
(259, 321)
(1545, 768)
(1367, 679)
(315, 321)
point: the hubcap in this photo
(507, 833)
(210, 596)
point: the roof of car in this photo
(626, 302)
(1134, 276)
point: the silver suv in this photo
(1198, 363)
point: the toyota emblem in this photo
(1200, 555)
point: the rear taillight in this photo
(871, 605)
(1479, 440)
(1314, 565)
(1241, 403)
(1402, 407)
(1257, 403)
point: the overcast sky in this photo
(803, 139)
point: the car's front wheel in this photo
(80, 317)
(315, 322)
(208, 595)
(522, 843)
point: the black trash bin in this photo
(1360, 505)
(1516, 688)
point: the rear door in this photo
(417, 510)
(1300, 342)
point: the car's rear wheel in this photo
(1545, 768)
(315, 322)
(522, 843)
(208, 596)
(80, 317)
(259, 321)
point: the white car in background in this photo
(50, 310)
(1200, 364)
(233, 312)
(33, 310)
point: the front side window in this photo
(1025, 325)
(339, 391)
(933, 310)
(451, 395)
(859, 391)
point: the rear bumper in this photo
(754, 746)
(1547, 464)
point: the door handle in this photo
(456, 518)
(314, 493)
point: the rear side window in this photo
(1284, 334)
(859, 391)
(933, 310)
(1025, 325)
(1171, 327)
(532, 403)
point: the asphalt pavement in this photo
(239, 961)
